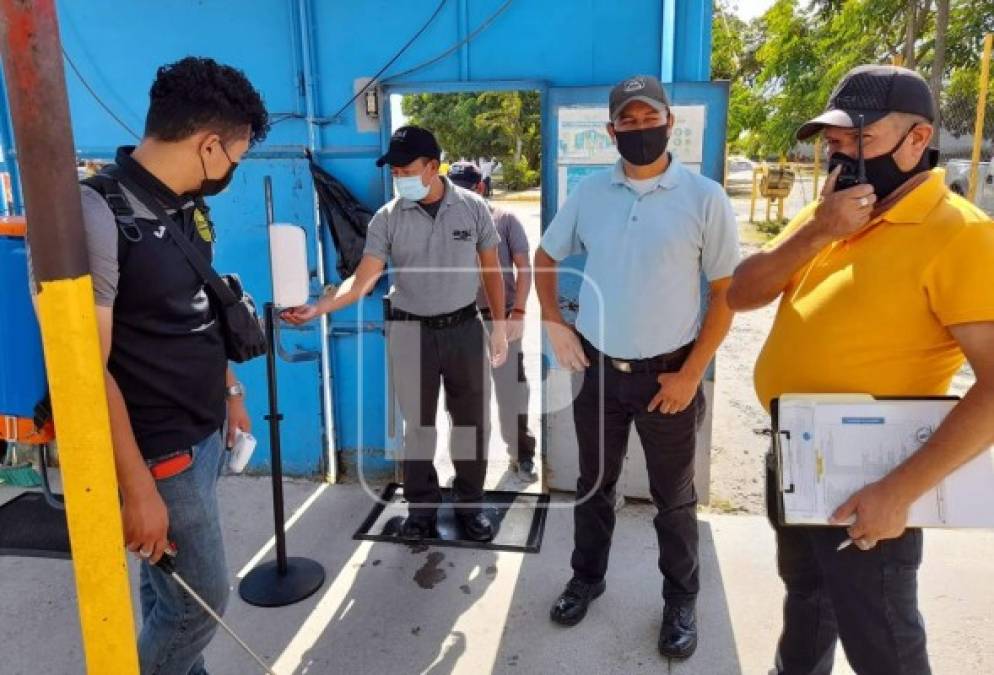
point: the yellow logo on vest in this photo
(204, 228)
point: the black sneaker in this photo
(678, 636)
(571, 606)
(416, 529)
(477, 526)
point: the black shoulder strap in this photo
(108, 187)
(197, 261)
(128, 232)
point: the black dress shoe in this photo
(416, 528)
(571, 606)
(477, 526)
(678, 636)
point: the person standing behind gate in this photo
(439, 239)
(510, 382)
(487, 166)
(650, 228)
(169, 388)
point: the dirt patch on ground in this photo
(738, 445)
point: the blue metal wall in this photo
(292, 48)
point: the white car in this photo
(739, 175)
(958, 180)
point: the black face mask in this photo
(643, 146)
(882, 172)
(212, 186)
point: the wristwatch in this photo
(235, 390)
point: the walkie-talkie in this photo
(853, 170)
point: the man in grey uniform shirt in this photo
(438, 238)
(510, 382)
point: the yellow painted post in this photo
(32, 62)
(817, 170)
(755, 191)
(780, 200)
(978, 130)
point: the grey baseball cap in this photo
(873, 92)
(645, 88)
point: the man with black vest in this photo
(439, 238)
(169, 388)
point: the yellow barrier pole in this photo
(817, 169)
(780, 200)
(32, 62)
(978, 130)
(755, 191)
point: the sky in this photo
(750, 9)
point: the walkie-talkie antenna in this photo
(860, 162)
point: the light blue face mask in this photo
(410, 187)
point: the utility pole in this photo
(35, 78)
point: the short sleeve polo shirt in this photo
(872, 314)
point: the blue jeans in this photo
(175, 629)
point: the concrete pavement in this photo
(387, 608)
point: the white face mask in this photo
(410, 187)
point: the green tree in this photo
(968, 23)
(452, 118)
(959, 104)
(806, 47)
(735, 45)
(505, 124)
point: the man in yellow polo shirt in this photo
(886, 287)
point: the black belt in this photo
(439, 320)
(664, 363)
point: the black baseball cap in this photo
(873, 92)
(407, 144)
(645, 88)
(465, 174)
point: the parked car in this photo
(739, 175)
(958, 180)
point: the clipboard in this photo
(964, 499)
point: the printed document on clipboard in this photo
(829, 446)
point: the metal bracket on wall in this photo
(300, 355)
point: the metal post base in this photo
(266, 587)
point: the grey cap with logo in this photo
(644, 88)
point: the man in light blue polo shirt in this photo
(650, 228)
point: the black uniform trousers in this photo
(608, 404)
(425, 360)
(868, 599)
